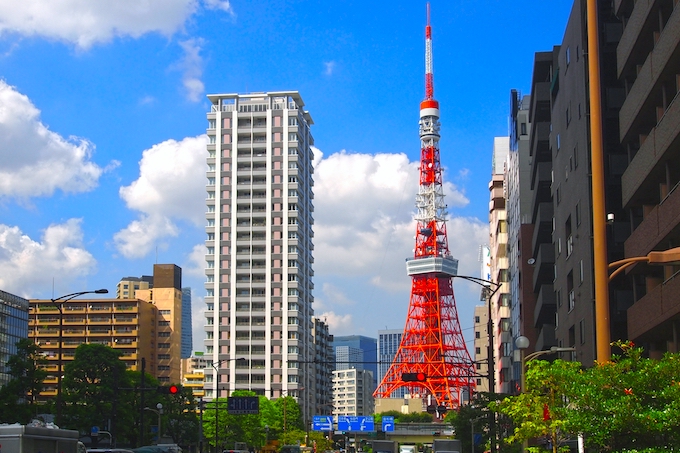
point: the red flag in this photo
(546, 413)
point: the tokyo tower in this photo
(432, 348)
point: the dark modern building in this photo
(562, 242)
(648, 65)
(639, 57)
(356, 351)
(187, 331)
(13, 327)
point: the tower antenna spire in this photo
(432, 345)
(429, 77)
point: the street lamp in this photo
(216, 366)
(59, 304)
(490, 288)
(663, 258)
(159, 412)
(522, 343)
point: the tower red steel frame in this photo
(432, 342)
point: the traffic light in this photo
(169, 389)
(413, 377)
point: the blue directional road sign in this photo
(387, 423)
(355, 423)
(322, 423)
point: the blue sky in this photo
(102, 145)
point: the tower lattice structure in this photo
(432, 343)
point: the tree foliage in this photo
(26, 369)
(90, 389)
(628, 403)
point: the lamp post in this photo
(663, 258)
(216, 366)
(490, 288)
(159, 412)
(59, 304)
(522, 343)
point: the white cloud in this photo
(223, 5)
(364, 232)
(170, 187)
(364, 206)
(338, 324)
(35, 161)
(87, 22)
(198, 309)
(26, 264)
(329, 67)
(191, 66)
(196, 262)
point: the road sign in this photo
(355, 423)
(322, 423)
(387, 423)
(242, 405)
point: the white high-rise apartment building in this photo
(259, 247)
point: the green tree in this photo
(543, 410)
(628, 403)
(179, 419)
(90, 389)
(231, 428)
(18, 396)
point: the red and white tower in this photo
(432, 344)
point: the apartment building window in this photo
(163, 356)
(558, 298)
(478, 350)
(163, 345)
(163, 323)
(570, 240)
(523, 129)
(580, 271)
(582, 331)
(478, 334)
(570, 289)
(567, 56)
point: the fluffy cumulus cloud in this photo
(364, 231)
(35, 161)
(28, 265)
(170, 188)
(364, 207)
(87, 22)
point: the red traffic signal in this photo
(413, 377)
(169, 389)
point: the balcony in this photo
(653, 315)
(544, 266)
(637, 113)
(546, 306)
(657, 225)
(638, 27)
(636, 185)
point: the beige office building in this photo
(126, 325)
